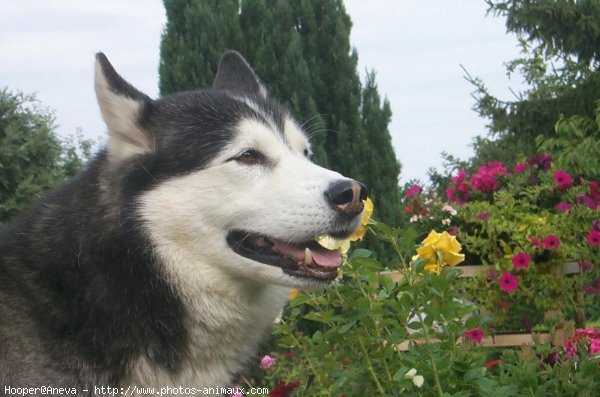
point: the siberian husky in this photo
(166, 261)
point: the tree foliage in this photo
(302, 52)
(32, 158)
(560, 46)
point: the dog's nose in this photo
(347, 196)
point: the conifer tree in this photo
(560, 42)
(195, 36)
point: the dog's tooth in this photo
(308, 259)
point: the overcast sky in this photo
(416, 48)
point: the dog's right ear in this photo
(235, 74)
(124, 110)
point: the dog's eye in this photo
(250, 157)
(306, 153)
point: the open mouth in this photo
(307, 259)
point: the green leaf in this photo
(345, 328)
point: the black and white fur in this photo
(124, 276)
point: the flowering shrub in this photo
(426, 210)
(527, 224)
(345, 341)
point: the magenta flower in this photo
(413, 190)
(484, 181)
(588, 201)
(520, 168)
(593, 238)
(543, 161)
(267, 362)
(284, 389)
(496, 168)
(536, 242)
(551, 242)
(594, 191)
(483, 216)
(585, 266)
(569, 348)
(590, 289)
(521, 261)
(562, 207)
(474, 335)
(562, 179)
(508, 282)
(459, 178)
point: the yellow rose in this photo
(440, 249)
(364, 222)
(332, 243)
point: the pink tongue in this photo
(327, 258)
(321, 256)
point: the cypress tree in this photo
(195, 36)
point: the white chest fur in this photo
(228, 318)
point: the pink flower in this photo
(588, 289)
(551, 242)
(569, 348)
(562, 179)
(591, 336)
(594, 288)
(520, 168)
(474, 335)
(593, 238)
(284, 389)
(413, 190)
(521, 261)
(562, 207)
(594, 191)
(588, 201)
(484, 181)
(536, 242)
(508, 282)
(267, 362)
(585, 266)
(543, 161)
(459, 178)
(458, 194)
(483, 216)
(496, 168)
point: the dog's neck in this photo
(227, 318)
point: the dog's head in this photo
(222, 179)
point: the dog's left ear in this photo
(124, 110)
(235, 75)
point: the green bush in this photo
(344, 341)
